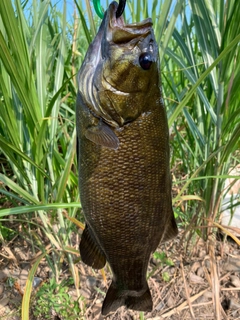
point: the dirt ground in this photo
(202, 283)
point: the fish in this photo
(123, 158)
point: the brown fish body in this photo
(123, 154)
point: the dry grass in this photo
(204, 282)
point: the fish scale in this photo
(123, 157)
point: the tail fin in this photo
(115, 298)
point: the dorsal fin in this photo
(171, 229)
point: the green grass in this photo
(40, 53)
(54, 297)
(203, 55)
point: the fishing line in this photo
(100, 12)
(98, 8)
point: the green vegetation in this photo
(40, 52)
(162, 261)
(54, 297)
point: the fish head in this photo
(125, 69)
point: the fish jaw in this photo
(118, 32)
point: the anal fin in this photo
(102, 135)
(91, 253)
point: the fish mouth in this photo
(119, 32)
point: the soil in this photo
(202, 283)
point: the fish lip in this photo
(120, 32)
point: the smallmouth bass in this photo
(123, 158)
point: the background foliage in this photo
(42, 46)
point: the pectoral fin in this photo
(102, 135)
(91, 253)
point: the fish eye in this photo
(145, 60)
